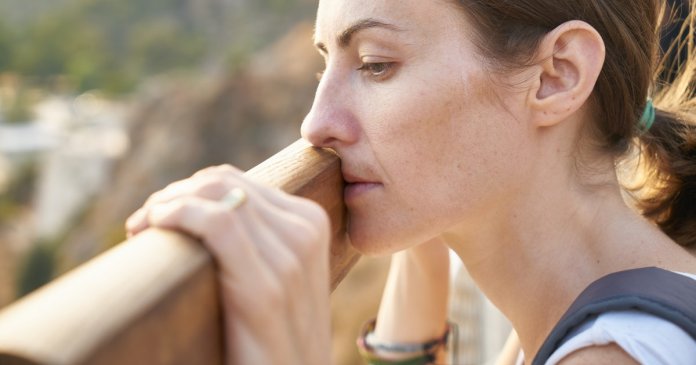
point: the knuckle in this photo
(166, 193)
(310, 210)
(290, 269)
(259, 187)
(319, 219)
(273, 294)
(178, 207)
(164, 213)
(315, 211)
(210, 186)
(174, 186)
(216, 224)
(309, 242)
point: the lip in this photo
(352, 179)
(357, 186)
(353, 191)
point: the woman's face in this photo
(426, 141)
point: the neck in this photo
(532, 258)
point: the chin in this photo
(369, 249)
(374, 242)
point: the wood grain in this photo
(153, 299)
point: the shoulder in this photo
(635, 335)
(627, 336)
(610, 354)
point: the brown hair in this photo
(509, 32)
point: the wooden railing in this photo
(153, 299)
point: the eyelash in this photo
(369, 69)
(377, 70)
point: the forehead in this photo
(417, 16)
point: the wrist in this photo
(378, 352)
(414, 302)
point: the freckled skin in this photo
(434, 132)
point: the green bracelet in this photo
(420, 354)
(419, 360)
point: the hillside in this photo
(113, 45)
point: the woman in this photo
(492, 127)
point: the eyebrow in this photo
(347, 35)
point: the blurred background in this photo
(103, 102)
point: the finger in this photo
(136, 223)
(285, 250)
(300, 239)
(214, 182)
(305, 282)
(305, 257)
(218, 170)
(235, 177)
(296, 243)
(269, 245)
(221, 230)
(234, 238)
(206, 186)
(296, 227)
(196, 216)
(212, 222)
(278, 199)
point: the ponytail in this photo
(667, 190)
(668, 165)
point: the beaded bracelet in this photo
(420, 353)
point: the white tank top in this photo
(648, 339)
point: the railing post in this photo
(153, 299)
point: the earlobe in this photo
(570, 61)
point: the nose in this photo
(330, 122)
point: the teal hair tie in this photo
(648, 118)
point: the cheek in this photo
(429, 132)
(445, 150)
(416, 143)
(413, 127)
(445, 160)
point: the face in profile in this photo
(427, 142)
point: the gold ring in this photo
(234, 198)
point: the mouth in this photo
(357, 186)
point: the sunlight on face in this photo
(410, 109)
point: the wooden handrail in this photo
(153, 299)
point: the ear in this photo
(571, 59)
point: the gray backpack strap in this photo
(659, 292)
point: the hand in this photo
(272, 253)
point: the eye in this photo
(377, 70)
